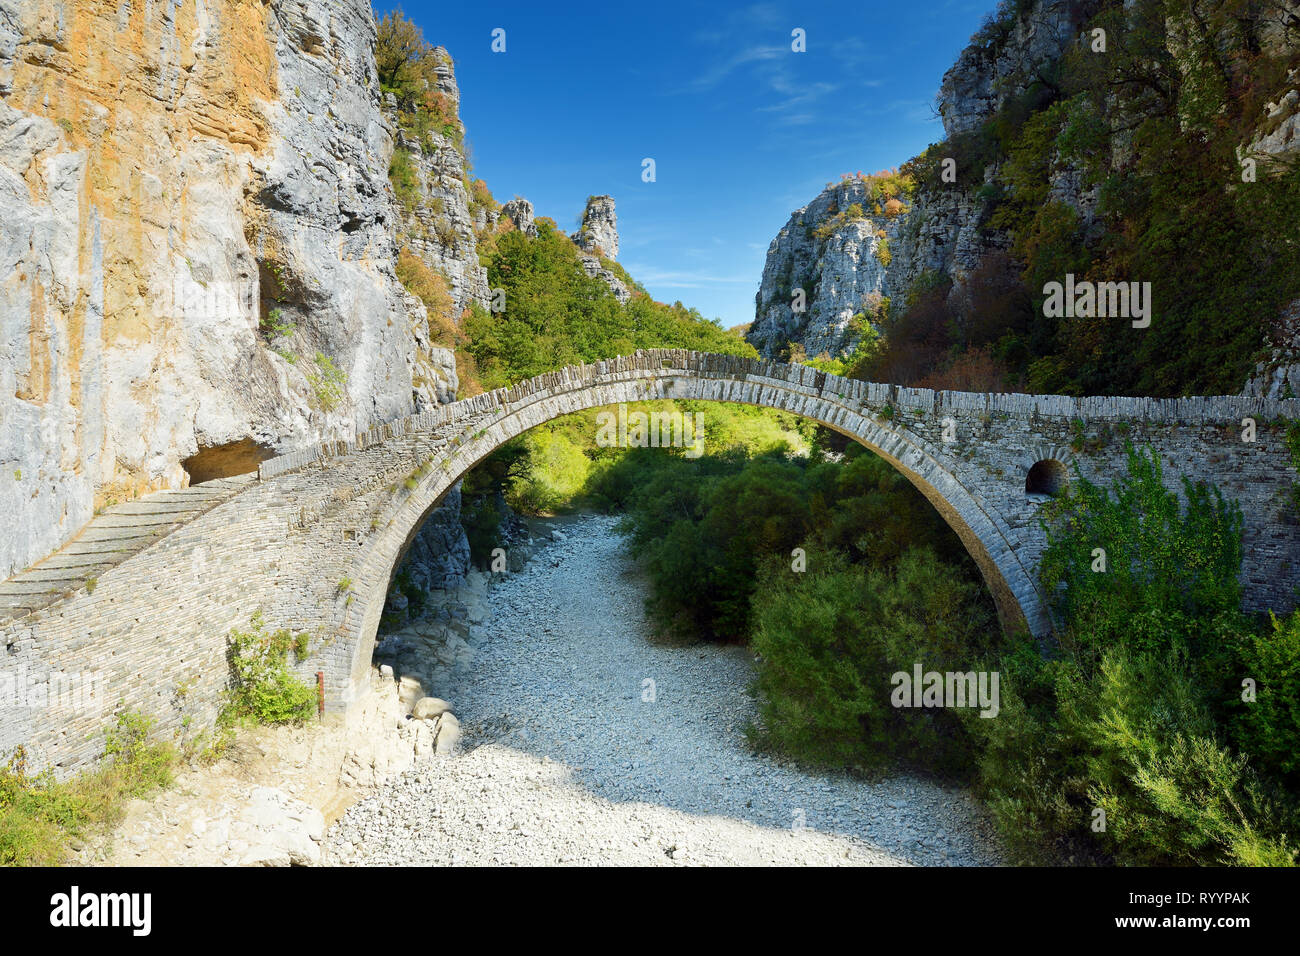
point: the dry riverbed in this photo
(571, 755)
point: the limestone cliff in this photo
(438, 221)
(520, 212)
(198, 248)
(825, 269)
(599, 232)
(435, 217)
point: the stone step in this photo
(107, 546)
(52, 576)
(174, 507)
(62, 560)
(96, 533)
(138, 521)
(28, 588)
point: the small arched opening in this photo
(1047, 478)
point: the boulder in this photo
(448, 733)
(429, 708)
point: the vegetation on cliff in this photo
(1118, 165)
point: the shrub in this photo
(1269, 727)
(1127, 720)
(1170, 569)
(263, 688)
(829, 641)
(327, 383)
(40, 816)
(883, 254)
(405, 180)
(431, 288)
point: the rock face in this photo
(1278, 376)
(520, 212)
(599, 237)
(822, 271)
(599, 232)
(596, 269)
(439, 556)
(996, 64)
(198, 253)
(430, 650)
(436, 222)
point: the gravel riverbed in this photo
(567, 758)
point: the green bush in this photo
(328, 383)
(1269, 727)
(829, 641)
(263, 689)
(40, 816)
(704, 527)
(1170, 570)
(1129, 719)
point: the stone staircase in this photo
(112, 536)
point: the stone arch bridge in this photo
(313, 539)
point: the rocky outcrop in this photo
(431, 649)
(1002, 59)
(824, 268)
(520, 212)
(198, 252)
(439, 557)
(597, 239)
(1278, 375)
(435, 218)
(598, 270)
(599, 232)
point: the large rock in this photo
(520, 212)
(430, 708)
(599, 232)
(836, 259)
(448, 733)
(944, 231)
(280, 830)
(439, 556)
(596, 269)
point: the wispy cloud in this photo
(683, 279)
(753, 46)
(711, 78)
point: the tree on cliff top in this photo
(401, 53)
(408, 69)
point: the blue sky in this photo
(742, 129)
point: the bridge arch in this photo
(854, 409)
(313, 539)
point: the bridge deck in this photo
(112, 536)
